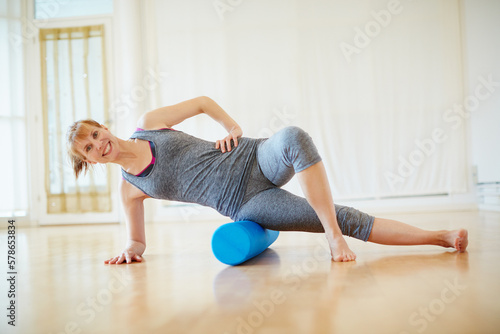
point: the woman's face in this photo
(100, 146)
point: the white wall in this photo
(370, 81)
(139, 53)
(482, 59)
(263, 58)
(481, 50)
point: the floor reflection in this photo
(233, 286)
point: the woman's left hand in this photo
(225, 144)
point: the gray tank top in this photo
(189, 169)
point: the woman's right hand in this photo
(225, 144)
(131, 253)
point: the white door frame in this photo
(38, 197)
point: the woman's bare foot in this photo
(340, 250)
(457, 239)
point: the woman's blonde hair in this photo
(77, 132)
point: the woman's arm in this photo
(132, 200)
(175, 114)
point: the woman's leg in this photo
(392, 232)
(280, 210)
(384, 231)
(291, 151)
(314, 184)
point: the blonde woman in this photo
(239, 177)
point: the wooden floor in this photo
(64, 287)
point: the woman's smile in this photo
(107, 149)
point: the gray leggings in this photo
(285, 153)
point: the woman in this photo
(239, 177)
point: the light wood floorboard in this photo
(293, 287)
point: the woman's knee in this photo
(294, 139)
(299, 147)
(353, 222)
(294, 133)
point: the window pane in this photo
(13, 197)
(13, 166)
(49, 9)
(74, 89)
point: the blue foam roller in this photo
(235, 243)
